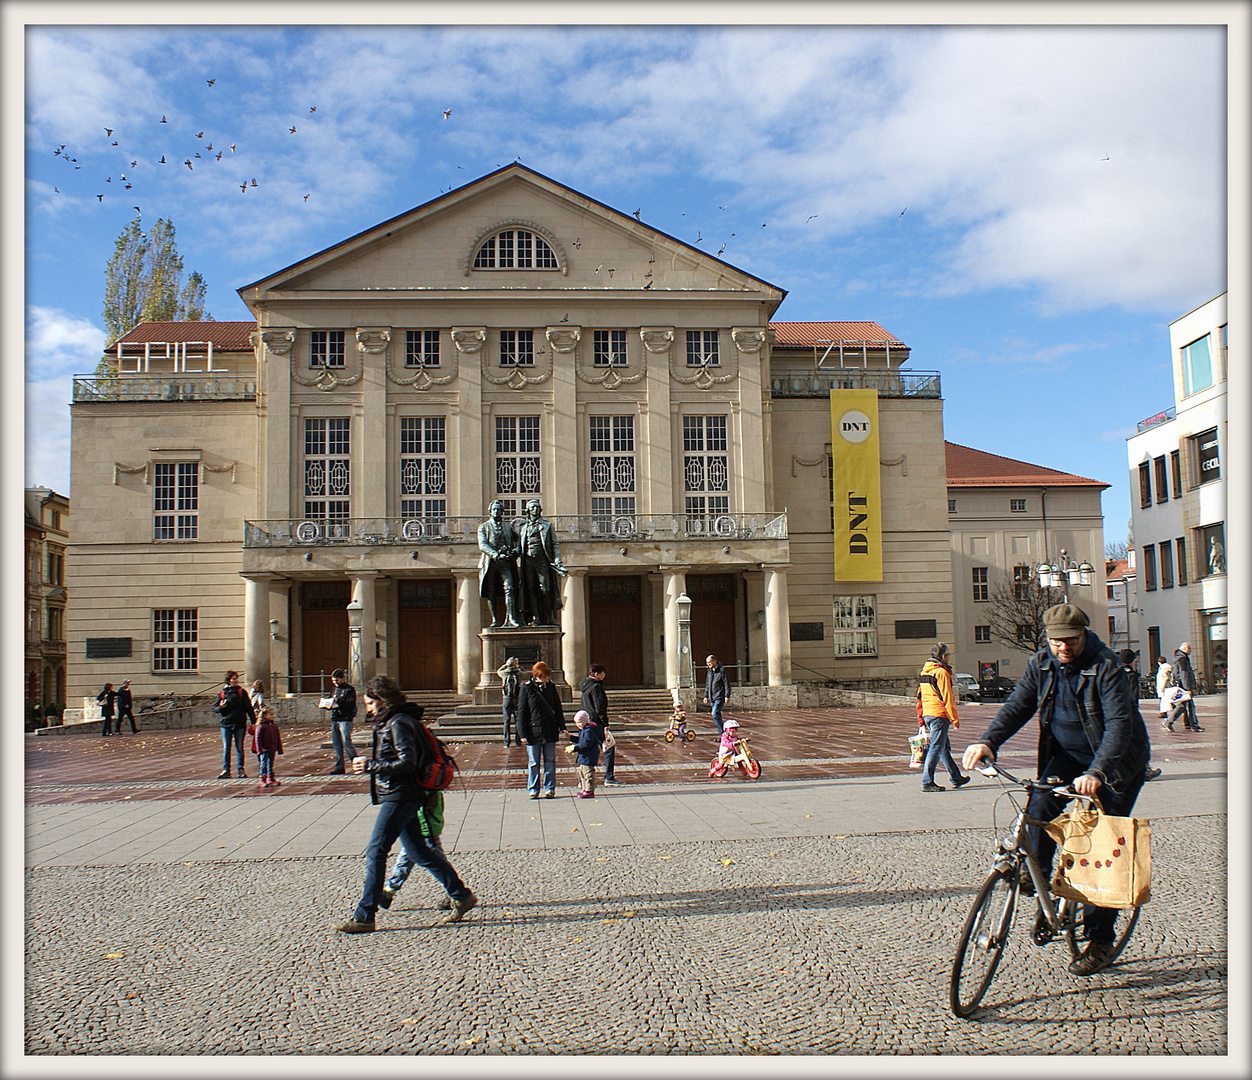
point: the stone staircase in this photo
(640, 710)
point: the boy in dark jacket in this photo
(586, 747)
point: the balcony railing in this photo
(889, 384)
(180, 387)
(381, 532)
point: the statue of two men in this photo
(520, 566)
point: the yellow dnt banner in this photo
(857, 494)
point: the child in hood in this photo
(586, 747)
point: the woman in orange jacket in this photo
(938, 698)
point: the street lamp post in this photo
(686, 674)
(1066, 573)
(354, 642)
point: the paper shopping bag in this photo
(918, 745)
(1103, 860)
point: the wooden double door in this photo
(615, 629)
(713, 623)
(426, 634)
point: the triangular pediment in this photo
(432, 248)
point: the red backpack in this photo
(438, 774)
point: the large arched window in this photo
(515, 249)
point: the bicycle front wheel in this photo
(1075, 937)
(983, 938)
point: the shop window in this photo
(855, 626)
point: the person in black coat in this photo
(234, 709)
(1184, 676)
(596, 702)
(401, 753)
(540, 722)
(125, 708)
(342, 713)
(108, 698)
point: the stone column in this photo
(363, 594)
(468, 625)
(675, 584)
(574, 658)
(777, 625)
(256, 629)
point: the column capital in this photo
(257, 575)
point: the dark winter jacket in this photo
(539, 715)
(268, 739)
(124, 700)
(235, 707)
(587, 745)
(596, 702)
(343, 703)
(401, 752)
(716, 685)
(106, 699)
(1183, 674)
(1111, 720)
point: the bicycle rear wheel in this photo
(983, 938)
(1074, 937)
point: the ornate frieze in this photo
(373, 339)
(657, 339)
(564, 339)
(748, 339)
(277, 339)
(469, 339)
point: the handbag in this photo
(1103, 860)
(609, 741)
(918, 745)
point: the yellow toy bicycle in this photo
(734, 751)
(678, 726)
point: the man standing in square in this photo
(596, 702)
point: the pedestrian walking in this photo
(234, 710)
(1184, 677)
(108, 701)
(510, 673)
(267, 742)
(256, 694)
(586, 748)
(401, 752)
(939, 713)
(1164, 669)
(596, 702)
(1128, 658)
(540, 720)
(342, 713)
(430, 824)
(716, 689)
(126, 708)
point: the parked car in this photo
(997, 689)
(966, 685)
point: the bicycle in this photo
(986, 930)
(742, 758)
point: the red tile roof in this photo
(976, 468)
(224, 335)
(798, 334)
(1117, 568)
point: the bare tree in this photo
(1115, 549)
(1015, 610)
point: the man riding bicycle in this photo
(1091, 735)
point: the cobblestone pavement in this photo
(811, 916)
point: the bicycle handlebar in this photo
(1063, 789)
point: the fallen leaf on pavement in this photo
(114, 955)
(727, 862)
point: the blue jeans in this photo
(341, 736)
(533, 753)
(939, 751)
(229, 732)
(716, 708)
(1099, 922)
(267, 762)
(405, 863)
(398, 820)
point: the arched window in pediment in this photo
(515, 249)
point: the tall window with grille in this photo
(327, 472)
(702, 348)
(421, 348)
(979, 575)
(517, 348)
(1023, 576)
(326, 348)
(855, 626)
(612, 445)
(706, 470)
(175, 639)
(608, 348)
(423, 468)
(176, 500)
(517, 462)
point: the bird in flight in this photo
(57, 190)
(721, 249)
(599, 268)
(764, 223)
(648, 285)
(1105, 158)
(312, 108)
(114, 142)
(565, 317)
(200, 136)
(162, 161)
(219, 155)
(721, 208)
(163, 120)
(134, 164)
(232, 148)
(637, 212)
(809, 218)
(211, 81)
(129, 186)
(243, 186)
(577, 242)
(699, 237)
(108, 131)
(254, 181)
(306, 198)
(293, 129)
(138, 211)
(189, 165)
(447, 113)
(901, 214)
(100, 197)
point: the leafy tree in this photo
(144, 283)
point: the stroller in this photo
(678, 726)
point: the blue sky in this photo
(1026, 207)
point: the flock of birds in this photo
(201, 153)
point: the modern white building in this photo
(1178, 469)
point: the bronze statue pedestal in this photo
(528, 644)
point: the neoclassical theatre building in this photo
(243, 489)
